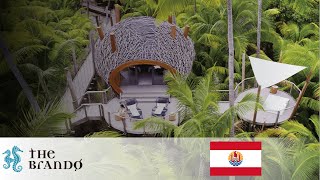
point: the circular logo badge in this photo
(235, 158)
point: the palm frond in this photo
(299, 130)
(103, 134)
(155, 124)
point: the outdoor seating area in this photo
(277, 107)
(276, 94)
(138, 111)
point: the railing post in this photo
(124, 126)
(89, 99)
(72, 90)
(278, 115)
(68, 126)
(179, 114)
(104, 97)
(117, 12)
(85, 111)
(291, 89)
(100, 113)
(109, 119)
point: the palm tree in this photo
(258, 55)
(259, 28)
(231, 62)
(160, 9)
(293, 159)
(306, 53)
(297, 150)
(24, 85)
(44, 123)
(294, 33)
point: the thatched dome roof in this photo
(140, 38)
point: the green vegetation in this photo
(46, 36)
(43, 37)
(289, 34)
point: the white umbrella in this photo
(268, 73)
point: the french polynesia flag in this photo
(235, 159)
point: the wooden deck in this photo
(146, 96)
(267, 117)
(146, 107)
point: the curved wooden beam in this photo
(114, 78)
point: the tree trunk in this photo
(195, 6)
(258, 56)
(231, 61)
(24, 85)
(259, 28)
(301, 94)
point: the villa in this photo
(131, 58)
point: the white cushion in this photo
(160, 107)
(275, 103)
(133, 109)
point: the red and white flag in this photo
(235, 159)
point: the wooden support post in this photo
(173, 31)
(170, 19)
(136, 79)
(72, 90)
(186, 31)
(100, 32)
(256, 109)
(173, 19)
(301, 95)
(113, 42)
(243, 71)
(117, 12)
(152, 75)
(111, 21)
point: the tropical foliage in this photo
(43, 37)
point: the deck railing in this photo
(109, 114)
(286, 86)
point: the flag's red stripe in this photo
(238, 171)
(227, 145)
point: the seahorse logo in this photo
(16, 159)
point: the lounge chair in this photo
(161, 107)
(132, 108)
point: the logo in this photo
(15, 160)
(235, 158)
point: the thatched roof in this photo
(140, 38)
